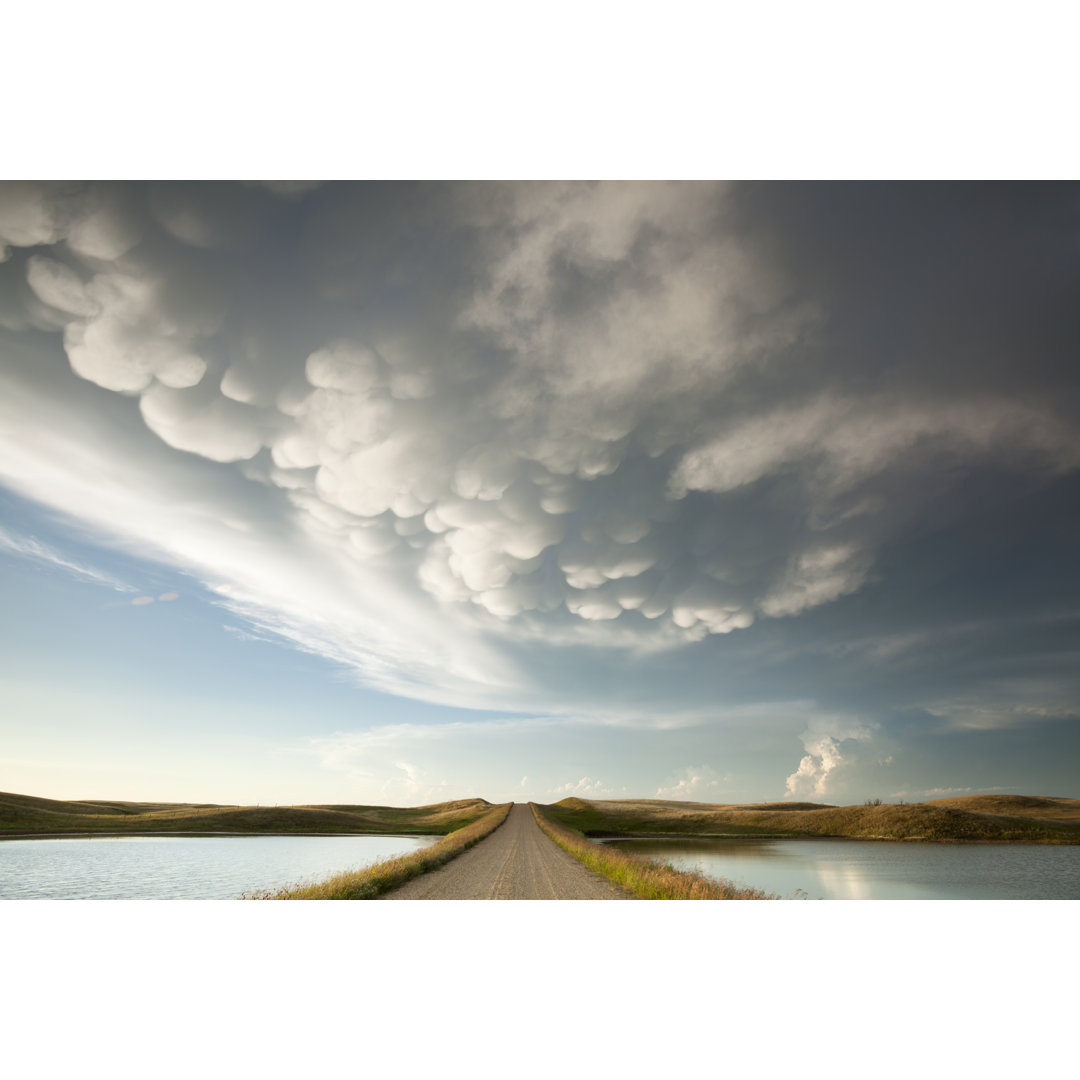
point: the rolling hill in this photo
(987, 818)
(27, 815)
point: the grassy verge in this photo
(645, 880)
(371, 882)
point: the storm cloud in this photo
(633, 452)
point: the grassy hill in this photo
(1001, 818)
(28, 815)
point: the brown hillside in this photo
(34, 804)
(1043, 820)
(1046, 807)
(29, 815)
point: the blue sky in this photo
(397, 493)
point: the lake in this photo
(838, 869)
(182, 867)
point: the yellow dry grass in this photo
(996, 818)
(29, 815)
(1039, 807)
(371, 882)
(642, 879)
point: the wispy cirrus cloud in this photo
(26, 547)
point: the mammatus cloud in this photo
(447, 435)
(488, 483)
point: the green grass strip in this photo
(640, 878)
(371, 882)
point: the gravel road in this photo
(516, 862)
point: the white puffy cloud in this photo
(823, 741)
(343, 365)
(106, 230)
(28, 215)
(131, 336)
(219, 429)
(59, 286)
(93, 218)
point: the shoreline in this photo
(966, 841)
(207, 835)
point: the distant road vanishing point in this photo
(516, 862)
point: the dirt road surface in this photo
(516, 862)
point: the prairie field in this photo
(986, 818)
(27, 815)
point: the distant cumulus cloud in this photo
(697, 783)
(827, 751)
(424, 429)
(586, 787)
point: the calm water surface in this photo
(182, 867)
(877, 869)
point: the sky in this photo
(403, 492)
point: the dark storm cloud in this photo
(649, 450)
